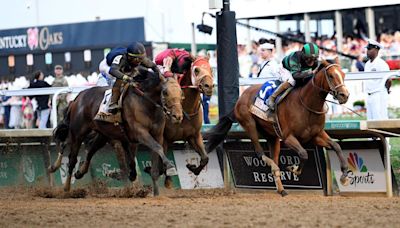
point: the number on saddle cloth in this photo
(267, 89)
(115, 52)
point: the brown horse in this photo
(143, 122)
(300, 117)
(198, 80)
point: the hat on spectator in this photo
(267, 46)
(373, 44)
(58, 67)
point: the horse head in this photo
(330, 78)
(171, 99)
(201, 75)
(171, 95)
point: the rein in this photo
(332, 91)
(140, 93)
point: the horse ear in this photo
(337, 59)
(162, 78)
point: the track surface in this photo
(198, 208)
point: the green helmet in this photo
(310, 50)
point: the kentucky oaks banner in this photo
(70, 36)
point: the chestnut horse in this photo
(143, 122)
(198, 80)
(300, 118)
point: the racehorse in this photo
(198, 80)
(143, 122)
(300, 119)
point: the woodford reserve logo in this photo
(251, 172)
(34, 39)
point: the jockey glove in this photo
(126, 78)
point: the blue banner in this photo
(71, 36)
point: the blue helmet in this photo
(136, 50)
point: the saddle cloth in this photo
(103, 114)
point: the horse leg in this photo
(249, 125)
(324, 140)
(275, 147)
(168, 179)
(57, 164)
(295, 145)
(197, 143)
(155, 172)
(120, 152)
(98, 142)
(146, 139)
(72, 159)
(130, 152)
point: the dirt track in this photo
(205, 208)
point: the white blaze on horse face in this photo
(339, 73)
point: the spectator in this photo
(377, 89)
(206, 108)
(60, 81)
(43, 108)
(7, 109)
(269, 67)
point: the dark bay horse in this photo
(301, 118)
(143, 118)
(198, 80)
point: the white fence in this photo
(55, 91)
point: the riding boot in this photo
(281, 89)
(115, 94)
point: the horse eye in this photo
(165, 93)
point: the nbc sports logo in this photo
(356, 163)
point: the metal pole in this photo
(339, 30)
(278, 40)
(370, 16)
(193, 46)
(307, 34)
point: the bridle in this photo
(333, 90)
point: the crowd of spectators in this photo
(23, 112)
(249, 55)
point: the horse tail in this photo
(218, 133)
(60, 133)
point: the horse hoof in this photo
(51, 169)
(78, 175)
(344, 180)
(168, 183)
(283, 193)
(191, 167)
(147, 169)
(132, 176)
(171, 172)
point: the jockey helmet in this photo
(136, 52)
(310, 53)
(310, 50)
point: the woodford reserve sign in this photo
(248, 171)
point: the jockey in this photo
(300, 64)
(120, 63)
(174, 61)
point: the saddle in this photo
(103, 114)
(261, 110)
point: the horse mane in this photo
(325, 63)
(147, 78)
